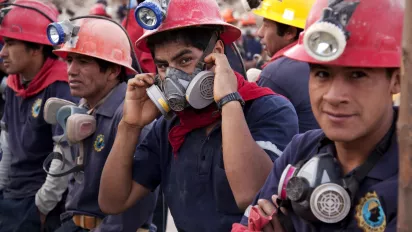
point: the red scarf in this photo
(191, 120)
(279, 54)
(52, 71)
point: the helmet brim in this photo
(229, 35)
(62, 53)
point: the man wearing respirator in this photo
(30, 200)
(343, 177)
(215, 145)
(98, 53)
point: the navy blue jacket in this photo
(30, 138)
(194, 183)
(290, 78)
(83, 197)
(379, 186)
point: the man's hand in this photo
(267, 208)
(225, 79)
(139, 110)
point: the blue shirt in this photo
(251, 46)
(379, 186)
(194, 183)
(83, 197)
(290, 78)
(30, 138)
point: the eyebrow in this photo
(8, 40)
(175, 57)
(318, 66)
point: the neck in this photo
(33, 69)
(354, 153)
(96, 98)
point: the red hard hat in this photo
(101, 39)
(28, 24)
(375, 35)
(99, 9)
(192, 13)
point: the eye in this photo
(322, 74)
(69, 60)
(358, 74)
(185, 61)
(83, 61)
(161, 66)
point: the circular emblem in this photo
(370, 214)
(99, 143)
(35, 109)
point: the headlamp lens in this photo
(147, 17)
(324, 41)
(54, 35)
(149, 14)
(323, 44)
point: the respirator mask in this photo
(180, 90)
(316, 190)
(77, 125)
(326, 39)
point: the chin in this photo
(10, 71)
(76, 93)
(341, 135)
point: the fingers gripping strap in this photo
(208, 50)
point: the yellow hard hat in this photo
(289, 12)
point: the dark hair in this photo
(390, 71)
(47, 50)
(104, 65)
(282, 29)
(197, 37)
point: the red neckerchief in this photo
(279, 54)
(256, 222)
(52, 71)
(191, 119)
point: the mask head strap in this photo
(201, 65)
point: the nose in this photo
(260, 32)
(3, 52)
(72, 68)
(338, 91)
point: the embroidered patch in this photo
(35, 109)
(369, 214)
(99, 143)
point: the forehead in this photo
(6, 39)
(334, 68)
(269, 22)
(78, 56)
(169, 50)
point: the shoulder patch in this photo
(35, 109)
(369, 214)
(99, 143)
